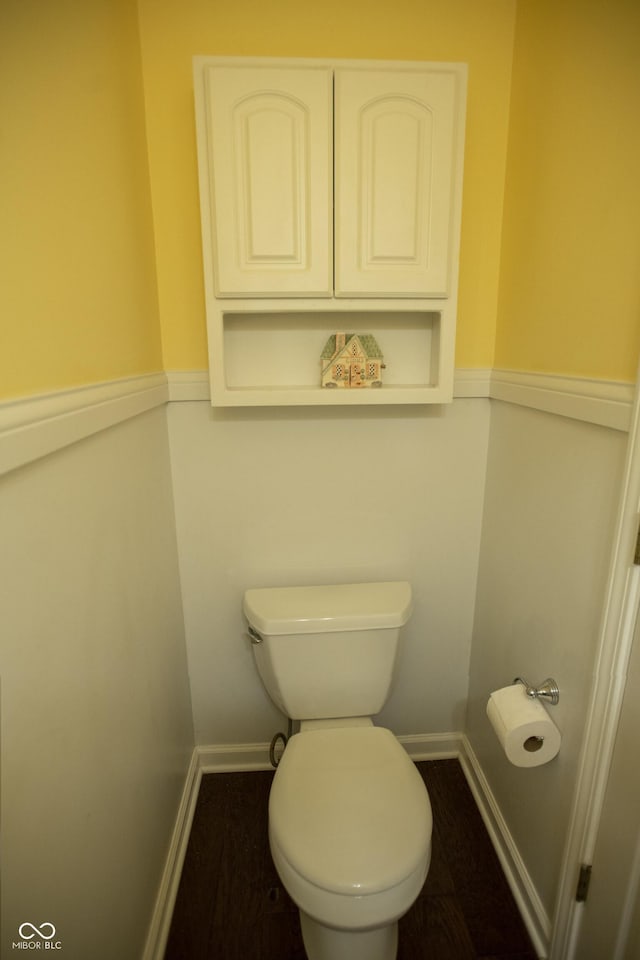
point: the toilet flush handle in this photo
(254, 636)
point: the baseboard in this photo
(435, 746)
(161, 920)
(533, 913)
(445, 745)
(227, 758)
(224, 758)
(208, 759)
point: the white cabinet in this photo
(328, 188)
(395, 163)
(269, 167)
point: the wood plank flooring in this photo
(232, 905)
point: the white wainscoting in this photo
(34, 427)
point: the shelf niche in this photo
(273, 357)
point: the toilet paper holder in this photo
(548, 690)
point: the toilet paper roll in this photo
(526, 732)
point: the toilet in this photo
(349, 815)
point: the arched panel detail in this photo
(397, 181)
(271, 142)
(395, 145)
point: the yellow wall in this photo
(570, 273)
(479, 33)
(78, 299)
(554, 287)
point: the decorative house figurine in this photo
(351, 360)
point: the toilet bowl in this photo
(349, 815)
(350, 836)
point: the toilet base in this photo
(327, 943)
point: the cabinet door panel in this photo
(270, 149)
(395, 172)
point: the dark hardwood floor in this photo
(231, 904)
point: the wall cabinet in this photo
(328, 182)
(270, 176)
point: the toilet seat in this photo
(349, 813)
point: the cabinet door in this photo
(269, 132)
(398, 146)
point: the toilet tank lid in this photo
(277, 611)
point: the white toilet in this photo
(349, 815)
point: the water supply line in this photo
(277, 738)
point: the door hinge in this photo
(636, 554)
(584, 879)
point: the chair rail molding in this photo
(606, 403)
(34, 426)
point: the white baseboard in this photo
(227, 758)
(161, 919)
(534, 915)
(224, 758)
(444, 745)
(432, 746)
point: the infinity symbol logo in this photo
(37, 931)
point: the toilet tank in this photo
(328, 651)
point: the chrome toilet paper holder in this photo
(548, 690)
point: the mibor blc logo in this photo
(36, 938)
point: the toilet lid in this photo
(348, 809)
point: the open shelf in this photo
(268, 353)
